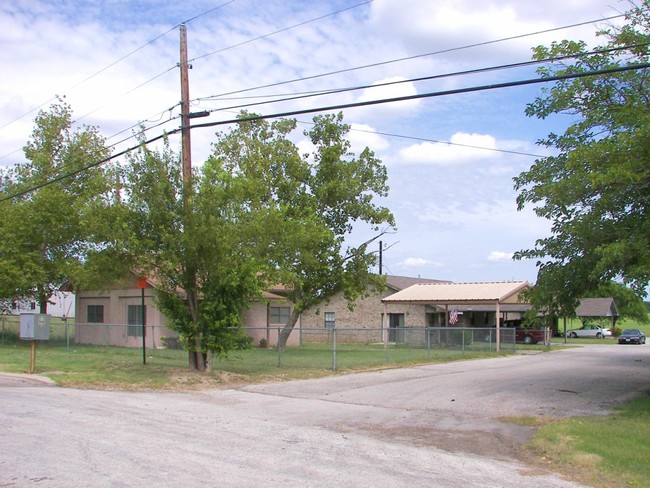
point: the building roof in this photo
(597, 307)
(401, 282)
(460, 293)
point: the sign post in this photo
(34, 327)
(142, 284)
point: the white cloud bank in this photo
(461, 148)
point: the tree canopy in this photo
(257, 214)
(49, 232)
(594, 189)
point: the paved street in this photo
(434, 425)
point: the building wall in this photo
(114, 329)
(258, 324)
(364, 323)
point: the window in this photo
(330, 321)
(279, 315)
(134, 320)
(95, 314)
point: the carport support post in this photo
(384, 330)
(498, 318)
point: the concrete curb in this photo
(21, 379)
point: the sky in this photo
(451, 159)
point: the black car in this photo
(631, 336)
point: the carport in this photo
(598, 308)
(458, 294)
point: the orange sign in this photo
(142, 282)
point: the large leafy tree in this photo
(310, 204)
(257, 214)
(190, 239)
(595, 189)
(54, 210)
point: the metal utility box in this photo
(34, 327)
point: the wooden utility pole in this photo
(185, 111)
(197, 359)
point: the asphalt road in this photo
(434, 425)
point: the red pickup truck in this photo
(524, 334)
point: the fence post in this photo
(334, 349)
(428, 342)
(277, 346)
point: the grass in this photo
(123, 368)
(601, 451)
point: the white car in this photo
(589, 330)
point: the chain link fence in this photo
(329, 348)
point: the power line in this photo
(457, 91)
(301, 96)
(109, 66)
(630, 67)
(408, 58)
(284, 29)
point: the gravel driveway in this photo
(433, 425)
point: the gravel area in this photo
(433, 425)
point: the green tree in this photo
(257, 214)
(595, 188)
(628, 303)
(194, 250)
(52, 227)
(309, 205)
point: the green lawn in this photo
(123, 368)
(602, 452)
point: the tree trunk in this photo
(287, 329)
(197, 359)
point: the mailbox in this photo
(34, 327)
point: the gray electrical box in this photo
(34, 327)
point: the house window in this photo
(330, 321)
(95, 314)
(279, 315)
(134, 320)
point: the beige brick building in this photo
(364, 323)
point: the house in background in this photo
(114, 316)
(61, 305)
(364, 322)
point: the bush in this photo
(171, 343)
(616, 331)
(263, 344)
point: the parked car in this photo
(589, 330)
(524, 334)
(631, 336)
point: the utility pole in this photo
(185, 113)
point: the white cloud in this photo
(500, 256)
(362, 135)
(461, 148)
(392, 87)
(419, 262)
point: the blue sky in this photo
(450, 159)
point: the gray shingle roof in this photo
(597, 307)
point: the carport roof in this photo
(460, 293)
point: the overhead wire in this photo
(630, 67)
(408, 58)
(284, 29)
(301, 96)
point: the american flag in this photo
(453, 316)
